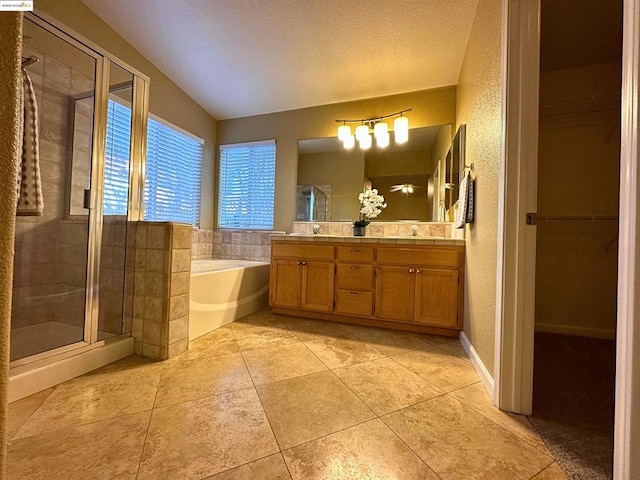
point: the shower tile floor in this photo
(273, 397)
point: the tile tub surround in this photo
(243, 244)
(201, 244)
(378, 229)
(162, 269)
(373, 417)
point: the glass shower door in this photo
(50, 268)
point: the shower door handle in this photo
(87, 199)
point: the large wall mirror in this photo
(330, 177)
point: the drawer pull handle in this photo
(354, 294)
(354, 249)
(354, 267)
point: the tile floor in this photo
(273, 397)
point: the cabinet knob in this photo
(304, 263)
(354, 267)
(418, 270)
(354, 249)
(411, 270)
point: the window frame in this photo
(220, 183)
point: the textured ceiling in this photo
(246, 57)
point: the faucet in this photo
(414, 230)
(316, 229)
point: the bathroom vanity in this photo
(405, 284)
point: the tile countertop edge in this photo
(351, 239)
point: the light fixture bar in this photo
(373, 120)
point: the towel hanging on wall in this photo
(29, 185)
(464, 208)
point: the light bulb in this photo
(401, 129)
(410, 189)
(365, 142)
(343, 132)
(382, 140)
(380, 128)
(349, 142)
(362, 131)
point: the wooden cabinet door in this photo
(286, 283)
(436, 297)
(317, 286)
(394, 293)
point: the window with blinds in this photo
(172, 175)
(116, 168)
(172, 172)
(247, 184)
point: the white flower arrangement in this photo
(371, 204)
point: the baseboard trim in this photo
(577, 331)
(485, 376)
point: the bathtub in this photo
(223, 291)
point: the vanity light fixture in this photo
(380, 130)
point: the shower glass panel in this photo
(50, 270)
(115, 203)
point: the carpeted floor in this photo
(573, 402)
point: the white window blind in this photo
(116, 169)
(172, 175)
(247, 183)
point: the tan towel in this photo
(29, 186)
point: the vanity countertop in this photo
(406, 240)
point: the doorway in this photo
(577, 233)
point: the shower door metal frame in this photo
(95, 215)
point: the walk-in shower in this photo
(70, 270)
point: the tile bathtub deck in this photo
(274, 397)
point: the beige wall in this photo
(578, 175)
(317, 168)
(479, 106)
(10, 39)
(166, 99)
(430, 107)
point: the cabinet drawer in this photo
(352, 302)
(355, 276)
(355, 253)
(442, 257)
(306, 252)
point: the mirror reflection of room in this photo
(407, 175)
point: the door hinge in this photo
(532, 218)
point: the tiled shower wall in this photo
(50, 261)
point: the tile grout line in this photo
(497, 424)
(263, 411)
(153, 407)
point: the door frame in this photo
(516, 240)
(626, 465)
(513, 367)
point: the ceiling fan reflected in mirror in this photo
(405, 188)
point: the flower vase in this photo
(359, 231)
